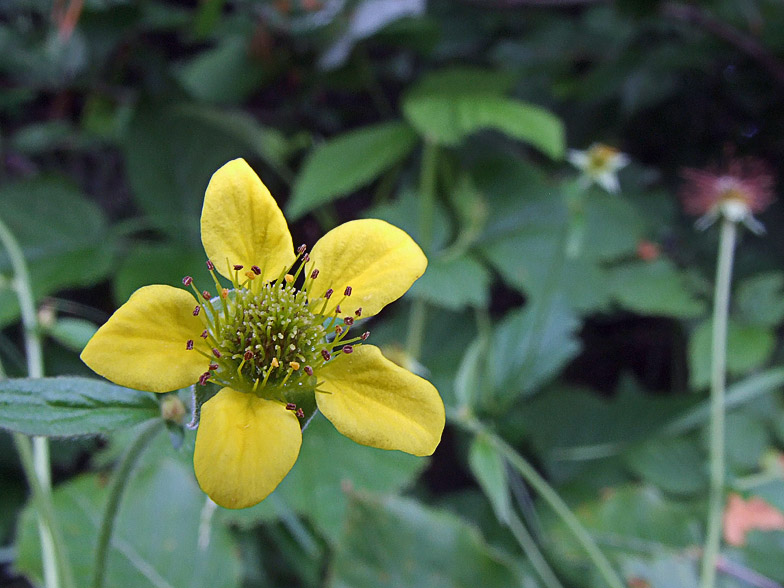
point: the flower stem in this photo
(35, 369)
(549, 495)
(721, 303)
(532, 552)
(146, 434)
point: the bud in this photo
(172, 409)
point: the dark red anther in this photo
(213, 366)
(248, 355)
(348, 291)
(291, 406)
(314, 274)
(187, 281)
(358, 311)
(210, 265)
(204, 334)
(215, 352)
(338, 329)
(365, 335)
(189, 344)
(306, 258)
(325, 354)
(196, 311)
(349, 320)
(301, 249)
(238, 267)
(348, 349)
(337, 309)
(206, 295)
(256, 269)
(300, 413)
(328, 293)
(203, 378)
(308, 370)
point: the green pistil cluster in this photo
(270, 339)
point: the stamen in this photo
(187, 281)
(210, 265)
(294, 365)
(204, 378)
(325, 354)
(196, 310)
(216, 353)
(224, 293)
(308, 370)
(204, 334)
(206, 295)
(251, 275)
(358, 311)
(213, 366)
(189, 345)
(348, 320)
(348, 291)
(248, 355)
(291, 406)
(348, 349)
(238, 267)
(314, 274)
(338, 329)
(289, 278)
(300, 413)
(365, 335)
(301, 249)
(328, 293)
(256, 269)
(275, 363)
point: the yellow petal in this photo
(245, 446)
(378, 260)
(378, 403)
(241, 222)
(142, 345)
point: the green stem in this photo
(532, 552)
(549, 495)
(146, 434)
(35, 369)
(721, 305)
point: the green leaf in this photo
(328, 464)
(489, 469)
(64, 238)
(653, 288)
(69, 406)
(747, 439)
(391, 542)
(464, 81)
(156, 536)
(72, 333)
(748, 348)
(674, 465)
(760, 299)
(347, 162)
(447, 119)
(763, 551)
(454, 283)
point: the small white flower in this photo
(599, 164)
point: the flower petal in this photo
(142, 345)
(378, 260)
(241, 222)
(375, 402)
(245, 446)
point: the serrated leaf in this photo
(156, 537)
(748, 347)
(447, 119)
(347, 162)
(70, 406)
(391, 542)
(489, 469)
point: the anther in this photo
(301, 249)
(215, 352)
(291, 406)
(238, 267)
(306, 258)
(328, 293)
(187, 281)
(325, 354)
(196, 311)
(337, 309)
(308, 370)
(289, 278)
(348, 291)
(213, 366)
(189, 344)
(275, 363)
(210, 265)
(300, 413)
(251, 275)
(204, 334)
(338, 329)
(358, 311)
(248, 355)
(349, 320)
(294, 365)
(256, 269)
(348, 349)
(314, 274)
(203, 378)
(365, 335)
(206, 295)
(224, 293)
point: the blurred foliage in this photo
(574, 323)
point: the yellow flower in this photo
(273, 345)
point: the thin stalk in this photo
(35, 369)
(146, 434)
(549, 495)
(721, 305)
(427, 202)
(531, 550)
